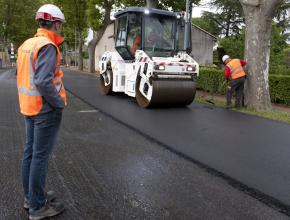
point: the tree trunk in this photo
(92, 48)
(7, 22)
(93, 43)
(64, 52)
(151, 3)
(258, 15)
(80, 62)
(228, 24)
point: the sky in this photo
(197, 10)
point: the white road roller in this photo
(151, 61)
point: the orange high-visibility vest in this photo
(136, 44)
(29, 97)
(236, 68)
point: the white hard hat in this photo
(225, 57)
(50, 12)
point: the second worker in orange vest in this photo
(234, 72)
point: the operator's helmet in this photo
(50, 12)
(225, 57)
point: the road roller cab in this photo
(151, 60)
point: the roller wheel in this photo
(167, 93)
(141, 100)
(106, 83)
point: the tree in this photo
(282, 18)
(258, 16)
(233, 45)
(76, 26)
(99, 19)
(17, 19)
(230, 18)
(208, 25)
(278, 44)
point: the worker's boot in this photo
(50, 196)
(50, 209)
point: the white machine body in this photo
(181, 66)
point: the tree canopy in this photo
(229, 19)
(17, 19)
(229, 24)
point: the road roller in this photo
(151, 61)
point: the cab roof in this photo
(142, 10)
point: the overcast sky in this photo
(203, 6)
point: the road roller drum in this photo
(168, 93)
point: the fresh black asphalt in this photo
(102, 169)
(248, 150)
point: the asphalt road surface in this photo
(103, 169)
(249, 151)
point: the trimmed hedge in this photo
(212, 80)
(280, 88)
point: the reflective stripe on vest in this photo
(28, 92)
(236, 68)
(29, 97)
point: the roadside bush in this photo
(212, 80)
(279, 70)
(280, 88)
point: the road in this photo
(105, 169)
(247, 150)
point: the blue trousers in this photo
(41, 134)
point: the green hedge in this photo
(212, 80)
(280, 88)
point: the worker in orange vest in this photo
(235, 74)
(136, 44)
(42, 98)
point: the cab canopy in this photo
(158, 33)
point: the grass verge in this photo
(274, 114)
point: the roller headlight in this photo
(159, 67)
(146, 11)
(190, 68)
